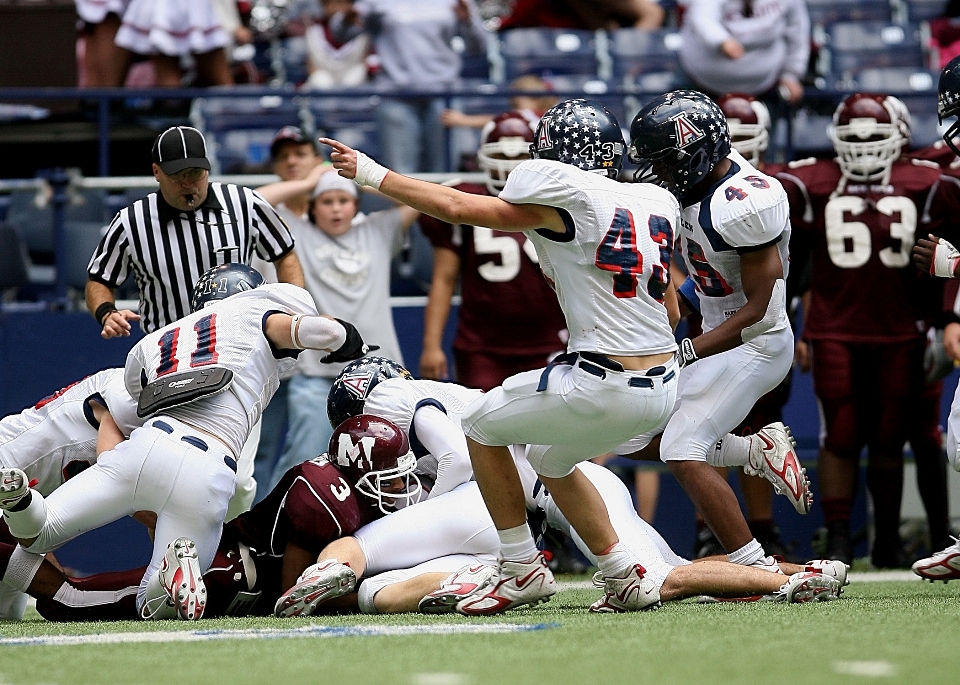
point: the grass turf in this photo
(910, 628)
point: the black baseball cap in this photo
(291, 134)
(179, 148)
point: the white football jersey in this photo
(397, 399)
(229, 334)
(611, 268)
(746, 210)
(57, 438)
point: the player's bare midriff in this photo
(643, 362)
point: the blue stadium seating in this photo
(350, 120)
(645, 60)
(35, 222)
(825, 12)
(548, 52)
(852, 47)
(923, 10)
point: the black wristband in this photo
(103, 310)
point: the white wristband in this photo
(945, 258)
(369, 173)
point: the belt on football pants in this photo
(598, 364)
(192, 440)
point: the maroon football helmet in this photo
(373, 453)
(868, 133)
(749, 122)
(504, 143)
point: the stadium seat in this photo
(13, 259)
(809, 132)
(239, 130)
(645, 60)
(351, 120)
(920, 10)
(898, 80)
(924, 125)
(32, 215)
(547, 51)
(294, 52)
(851, 47)
(82, 238)
(823, 12)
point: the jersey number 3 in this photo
(618, 253)
(204, 355)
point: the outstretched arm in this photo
(316, 333)
(447, 204)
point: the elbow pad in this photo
(770, 317)
(316, 333)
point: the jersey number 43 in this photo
(618, 253)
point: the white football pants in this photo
(953, 432)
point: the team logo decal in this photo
(543, 135)
(348, 452)
(358, 383)
(687, 132)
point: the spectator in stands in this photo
(337, 47)
(758, 47)
(346, 257)
(531, 107)
(172, 29)
(584, 14)
(945, 33)
(105, 62)
(412, 39)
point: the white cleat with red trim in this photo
(457, 586)
(318, 583)
(514, 584)
(829, 567)
(181, 577)
(807, 586)
(944, 565)
(13, 487)
(631, 592)
(773, 456)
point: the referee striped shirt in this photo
(167, 249)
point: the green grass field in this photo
(904, 632)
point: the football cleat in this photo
(320, 582)
(181, 577)
(13, 487)
(829, 567)
(809, 587)
(772, 455)
(456, 587)
(631, 592)
(512, 585)
(944, 565)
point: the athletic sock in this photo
(616, 562)
(516, 544)
(22, 566)
(731, 450)
(749, 554)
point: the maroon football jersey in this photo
(940, 154)
(507, 305)
(864, 285)
(311, 506)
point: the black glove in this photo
(353, 348)
(686, 354)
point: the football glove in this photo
(353, 348)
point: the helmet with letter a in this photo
(868, 133)
(504, 143)
(222, 281)
(748, 120)
(948, 101)
(677, 139)
(581, 133)
(374, 454)
(355, 383)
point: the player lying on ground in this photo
(263, 551)
(203, 381)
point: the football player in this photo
(734, 234)
(263, 551)
(606, 247)
(869, 310)
(509, 318)
(203, 382)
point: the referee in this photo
(171, 237)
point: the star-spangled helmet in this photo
(373, 453)
(677, 139)
(222, 281)
(582, 133)
(868, 133)
(504, 143)
(748, 120)
(948, 101)
(354, 384)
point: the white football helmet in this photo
(868, 133)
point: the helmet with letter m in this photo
(374, 454)
(749, 122)
(677, 139)
(504, 144)
(581, 133)
(222, 281)
(355, 383)
(868, 133)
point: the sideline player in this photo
(606, 247)
(734, 234)
(203, 381)
(869, 307)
